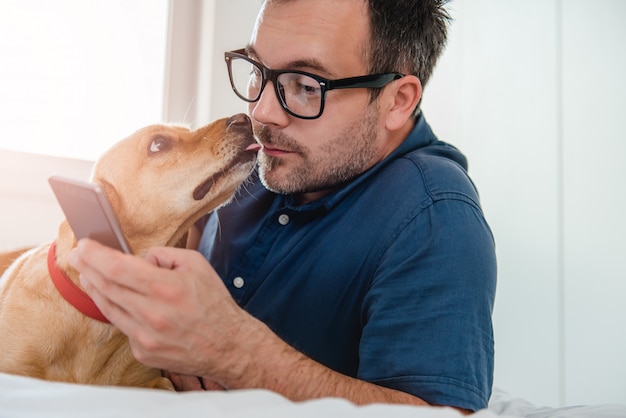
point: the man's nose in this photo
(268, 109)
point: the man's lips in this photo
(275, 152)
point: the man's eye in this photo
(302, 85)
(308, 85)
(310, 89)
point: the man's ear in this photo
(406, 93)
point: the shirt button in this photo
(283, 219)
(238, 282)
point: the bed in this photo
(24, 397)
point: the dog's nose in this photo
(240, 120)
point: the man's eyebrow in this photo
(311, 63)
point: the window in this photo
(79, 75)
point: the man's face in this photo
(311, 157)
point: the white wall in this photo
(78, 75)
(532, 91)
(594, 197)
(197, 86)
(30, 214)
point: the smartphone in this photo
(89, 212)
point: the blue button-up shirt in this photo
(390, 279)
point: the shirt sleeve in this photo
(427, 315)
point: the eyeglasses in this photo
(301, 94)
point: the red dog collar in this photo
(70, 291)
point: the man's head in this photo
(358, 127)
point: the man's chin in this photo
(273, 180)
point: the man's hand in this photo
(173, 307)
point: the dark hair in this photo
(406, 36)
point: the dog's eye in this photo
(159, 144)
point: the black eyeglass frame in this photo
(364, 81)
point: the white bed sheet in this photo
(504, 404)
(22, 397)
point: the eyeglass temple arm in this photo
(366, 81)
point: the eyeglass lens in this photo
(299, 93)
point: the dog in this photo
(160, 181)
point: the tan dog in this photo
(160, 180)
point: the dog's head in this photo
(162, 179)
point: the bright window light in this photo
(79, 75)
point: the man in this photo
(357, 264)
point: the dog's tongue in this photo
(254, 147)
